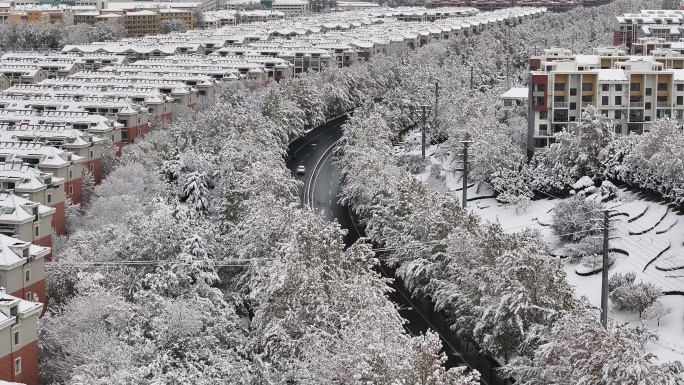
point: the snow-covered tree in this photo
(173, 25)
(87, 188)
(578, 350)
(576, 218)
(656, 311)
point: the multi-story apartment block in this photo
(40, 187)
(141, 23)
(18, 335)
(631, 90)
(179, 14)
(22, 264)
(665, 24)
(47, 158)
(24, 219)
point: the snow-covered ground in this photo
(644, 229)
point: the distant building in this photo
(665, 24)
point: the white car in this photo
(301, 170)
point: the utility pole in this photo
(424, 107)
(435, 123)
(466, 141)
(604, 280)
(471, 79)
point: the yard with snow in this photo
(650, 233)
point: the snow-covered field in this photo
(644, 229)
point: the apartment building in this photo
(291, 6)
(665, 24)
(141, 23)
(39, 187)
(18, 334)
(25, 220)
(631, 90)
(180, 14)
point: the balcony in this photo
(663, 104)
(543, 133)
(636, 104)
(560, 104)
(587, 104)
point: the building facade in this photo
(633, 91)
(19, 339)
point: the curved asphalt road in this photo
(321, 180)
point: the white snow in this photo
(660, 227)
(515, 93)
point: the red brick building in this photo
(18, 339)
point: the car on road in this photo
(301, 170)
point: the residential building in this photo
(18, 335)
(23, 219)
(42, 188)
(291, 6)
(665, 24)
(633, 91)
(516, 96)
(180, 14)
(141, 23)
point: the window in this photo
(662, 86)
(573, 91)
(649, 91)
(71, 189)
(604, 113)
(543, 127)
(37, 231)
(49, 198)
(647, 105)
(28, 296)
(587, 99)
(16, 338)
(635, 87)
(618, 100)
(71, 174)
(559, 87)
(543, 115)
(538, 101)
(587, 86)
(605, 100)
(605, 87)
(618, 87)
(17, 366)
(91, 168)
(540, 87)
(618, 114)
(573, 105)
(124, 134)
(680, 87)
(558, 99)
(91, 154)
